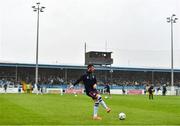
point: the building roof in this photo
(26, 65)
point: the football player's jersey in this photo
(89, 79)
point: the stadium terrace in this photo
(62, 76)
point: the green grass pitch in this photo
(31, 109)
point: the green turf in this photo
(31, 109)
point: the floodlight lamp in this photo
(168, 19)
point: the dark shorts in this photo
(151, 93)
(92, 94)
(108, 90)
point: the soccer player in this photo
(107, 89)
(151, 90)
(164, 90)
(89, 80)
(5, 88)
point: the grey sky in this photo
(135, 31)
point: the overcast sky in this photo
(135, 31)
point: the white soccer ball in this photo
(122, 116)
(106, 97)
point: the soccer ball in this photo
(106, 97)
(122, 116)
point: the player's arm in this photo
(95, 85)
(79, 80)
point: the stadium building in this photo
(63, 75)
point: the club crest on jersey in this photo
(90, 77)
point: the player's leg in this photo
(95, 114)
(100, 100)
(109, 93)
(96, 106)
(150, 96)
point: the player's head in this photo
(90, 68)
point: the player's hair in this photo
(89, 65)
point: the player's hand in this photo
(71, 87)
(94, 86)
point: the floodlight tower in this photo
(172, 20)
(37, 9)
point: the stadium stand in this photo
(53, 76)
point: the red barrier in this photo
(74, 91)
(135, 92)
